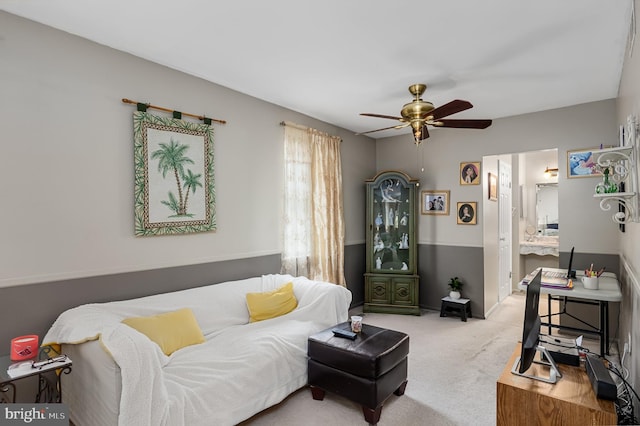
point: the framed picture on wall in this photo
(435, 202)
(492, 181)
(580, 163)
(467, 213)
(470, 173)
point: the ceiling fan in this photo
(418, 114)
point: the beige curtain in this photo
(313, 213)
(327, 223)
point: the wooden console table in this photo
(571, 401)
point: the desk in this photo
(570, 401)
(609, 291)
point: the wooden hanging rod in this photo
(199, 117)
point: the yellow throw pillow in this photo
(271, 304)
(171, 331)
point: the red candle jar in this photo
(24, 347)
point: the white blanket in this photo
(240, 370)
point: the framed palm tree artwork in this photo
(174, 186)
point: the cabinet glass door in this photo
(391, 233)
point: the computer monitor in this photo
(531, 337)
(531, 325)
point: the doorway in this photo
(516, 208)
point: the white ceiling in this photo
(333, 59)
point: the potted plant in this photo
(455, 285)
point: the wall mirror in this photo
(547, 209)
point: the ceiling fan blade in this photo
(399, 126)
(463, 124)
(452, 107)
(368, 114)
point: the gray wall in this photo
(575, 127)
(438, 263)
(68, 173)
(629, 104)
(68, 138)
(436, 164)
(38, 305)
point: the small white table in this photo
(608, 291)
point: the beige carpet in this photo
(453, 368)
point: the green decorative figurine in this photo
(606, 186)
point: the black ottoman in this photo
(366, 370)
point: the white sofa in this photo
(122, 377)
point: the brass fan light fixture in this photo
(418, 114)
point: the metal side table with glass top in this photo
(49, 367)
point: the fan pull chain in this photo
(420, 158)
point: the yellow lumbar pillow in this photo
(271, 304)
(171, 331)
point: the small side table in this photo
(458, 307)
(49, 383)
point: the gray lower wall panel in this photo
(354, 269)
(31, 309)
(438, 263)
(582, 261)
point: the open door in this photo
(504, 230)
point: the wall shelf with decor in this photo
(622, 165)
